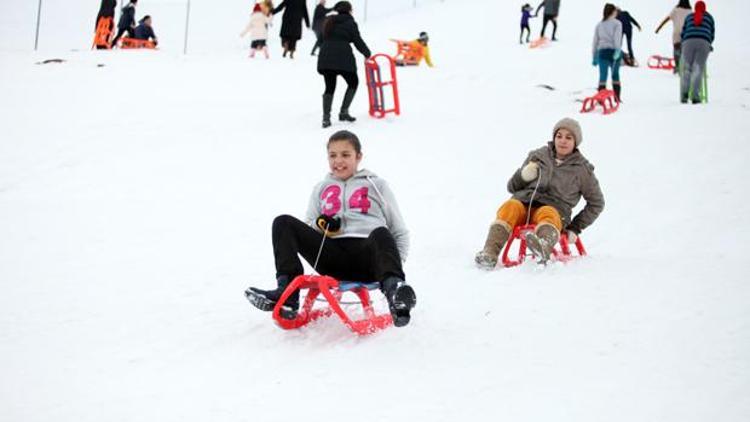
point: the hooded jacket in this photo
(364, 202)
(561, 186)
(335, 52)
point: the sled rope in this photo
(533, 194)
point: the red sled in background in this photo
(332, 290)
(561, 252)
(661, 62)
(376, 86)
(606, 98)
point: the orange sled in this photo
(332, 290)
(408, 52)
(132, 43)
(562, 254)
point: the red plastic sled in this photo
(661, 62)
(606, 98)
(376, 85)
(133, 43)
(332, 290)
(539, 42)
(562, 254)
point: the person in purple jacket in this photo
(525, 16)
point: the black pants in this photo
(353, 259)
(548, 18)
(289, 44)
(352, 81)
(629, 37)
(528, 32)
(120, 32)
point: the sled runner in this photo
(606, 98)
(103, 33)
(132, 43)
(376, 86)
(332, 290)
(561, 252)
(539, 42)
(661, 62)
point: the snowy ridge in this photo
(136, 202)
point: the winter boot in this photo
(617, 88)
(496, 238)
(348, 98)
(265, 300)
(602, 87)
(543, 241)
(401, 299)
(327, 102)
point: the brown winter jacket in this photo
(561, 186)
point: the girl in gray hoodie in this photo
(607, 49)
(353, 230)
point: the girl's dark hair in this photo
(345, 135)
(342, 8)
(684, 4)
(609, 8)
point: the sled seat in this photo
(133, 43)
(332, 290)
(561, 252)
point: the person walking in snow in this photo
(260, 19)
(551, 11)
(607, 52)
(336, 59)
(677, 16)
(319, 17)
(525, 16)
(295, 11)
(353, 230)
(627, 22)
(544, 192)
(127, 21)
(697, 39)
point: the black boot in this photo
(602, 87)
(327, 102)
(265, 300)
(401, 299)
(348, 98)
(617, 88)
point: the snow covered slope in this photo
(136, 201)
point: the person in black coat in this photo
(319, 16)
(336, 58)
(127, 21)
(627, 32)
(144, 30)
(106, 10)
(291, 24)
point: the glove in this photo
(329, 224)
(618, 55)
(572, 236)
(595, 61)
(530, 171)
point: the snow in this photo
(136, 202)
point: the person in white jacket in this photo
(260, 19)
(607, 49)
(353, 230)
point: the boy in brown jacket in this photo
(545, 190)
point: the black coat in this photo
(335, 52)
(291, 21)
(144, 32)
(319, 16)
(627, 22)
(127, 19)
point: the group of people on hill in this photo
(551, 12)
(143, 30)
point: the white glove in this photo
(530, 171)
(572, 237)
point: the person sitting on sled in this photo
(353, 231)
(414, 51)
(545, 190)
(144, 31)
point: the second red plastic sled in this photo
(606, 98)
(661, 62)
(376, 86)
(332, 290)
(561, 252)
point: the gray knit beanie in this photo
(572, 126)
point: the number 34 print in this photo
(332, 198)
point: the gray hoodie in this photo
(608, 34)
(364, 202)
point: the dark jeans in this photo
(353, 259)
(120, 32)
(318, 41)
(607, 61)
(548, 18)
(629, 37)
(528, 32)
(352, 81)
